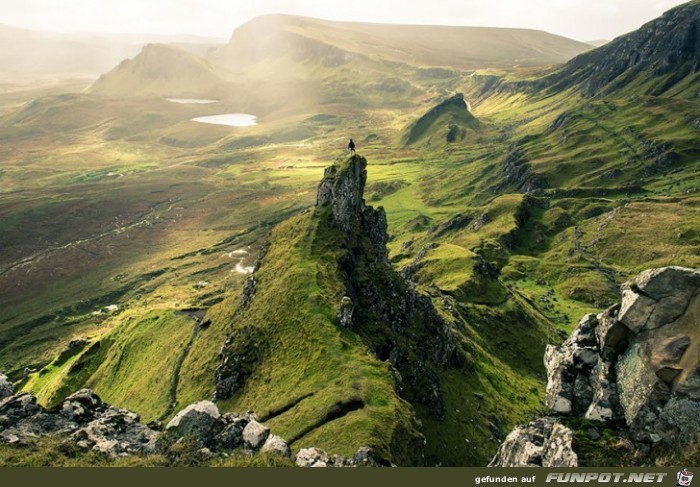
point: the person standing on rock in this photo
(351, 147)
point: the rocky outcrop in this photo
(637, 362)
(578, 382)
(6, 387)
(195, 420)
(117, 432)
(85, 420)
(377, 304)
(542, 443)
(315, 458)
(377, 297)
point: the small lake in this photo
(191, 101)
(229, 119)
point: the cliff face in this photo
(396, 323)
(330, 344)
(667, 48)
(635, 364)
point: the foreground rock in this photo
(195, 420)
(637, 362)
(117, 432)
(541, 443)
(314, 457)
(6, 387)
(93, 425)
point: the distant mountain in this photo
(161, 70)
(334, 43)
(662, 57)
(27, 52)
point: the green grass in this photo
(308, 363)
(76, 239)
(136, 372)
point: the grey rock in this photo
(275, 444)
(343, 190)
(117, 432)
(569, 389)
(543, 442)
(195, 420)
(231, 429)
(312, 457)
(32, 428)
(18, 407)
(346, 312)
(610, 332)
(255, 434)
(605, 404)
(365, 457)
(6, 387)
(645, 370)
(657, 297)
(557, 450)
(82, 407)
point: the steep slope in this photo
(661, 58)
(438, 46)
(446, 123)
(308, 350)
(161, 70)
(334, 349)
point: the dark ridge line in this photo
(337, 411)
(279, 411)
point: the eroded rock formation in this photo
(637, 362)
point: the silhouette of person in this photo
(351, 147)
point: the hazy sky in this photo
(579, 19)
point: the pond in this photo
(191, 101)
(229, 119)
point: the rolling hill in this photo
(460, 48)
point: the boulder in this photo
(275, 444)
(312, 457)
(658, 373)
(31, 428)
(117, 432)
(638, 361)
(543, 442)
(195, 420)
(346, 312)
(6, 387)
(17, 407)
(255, 434)
(365, 457)
(82, 407)
(657, 297)
(230, 434)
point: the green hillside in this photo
(129, 233)
(460, 48)
(446, 123)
